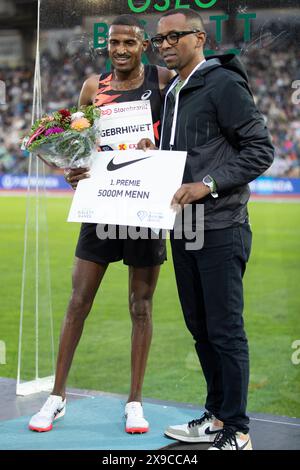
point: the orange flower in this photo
(80, 124)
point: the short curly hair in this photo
(129, 20)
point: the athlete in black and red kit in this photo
(129, 80)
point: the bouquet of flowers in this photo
(66, 138)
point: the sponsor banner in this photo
(263, 186)
(123, 125)
(268, 186)
(130, 188)
(20, 182)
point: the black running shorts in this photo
(137, 253)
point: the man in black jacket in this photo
(209, 112)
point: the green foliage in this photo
(42, 140)
(90, 112)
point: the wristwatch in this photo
(210, 182)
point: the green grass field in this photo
(102, 362)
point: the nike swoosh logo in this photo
(208, 431)
(112, 166)
(242, 447)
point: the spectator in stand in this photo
(271, 70)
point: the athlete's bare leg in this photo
(86, 279)
(142, 283)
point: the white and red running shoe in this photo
(135, 421)
(54, 408)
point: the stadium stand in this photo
(272, 69)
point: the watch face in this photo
(207, 179)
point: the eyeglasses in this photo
(172, 38)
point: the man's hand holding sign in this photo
(187, 193)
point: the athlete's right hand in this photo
(73, 176)
(146, 144)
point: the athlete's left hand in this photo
(188, 193)
(73, 176)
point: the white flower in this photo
(77, 115)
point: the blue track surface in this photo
(94, 424)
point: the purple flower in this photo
(54, 130)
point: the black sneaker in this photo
(203, 429)
(228, 439)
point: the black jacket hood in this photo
(227, 61)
